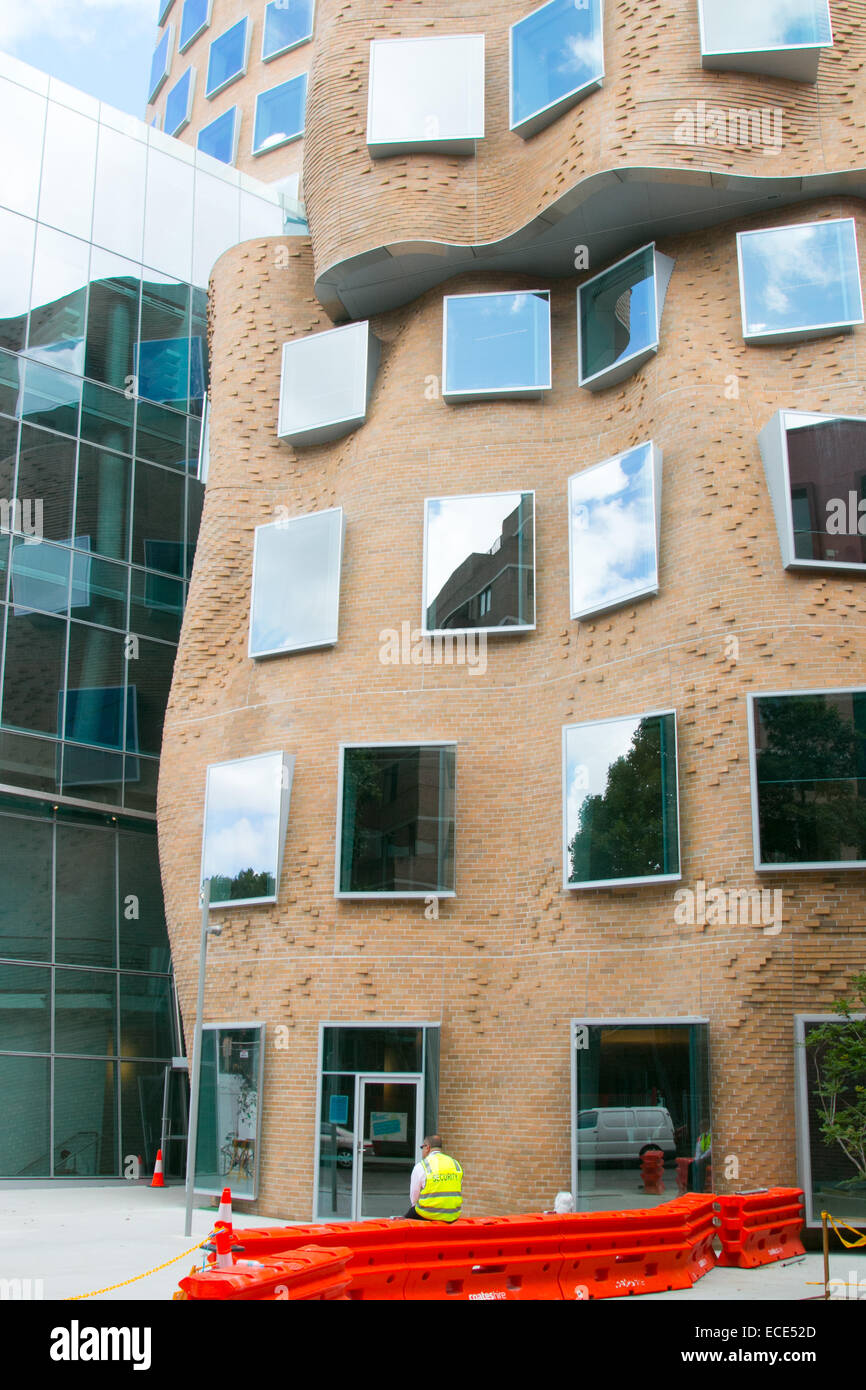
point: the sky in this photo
(104, 47)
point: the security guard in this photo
(435, 1189)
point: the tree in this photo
(840, 1075)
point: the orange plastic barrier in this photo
(760, 1227)
(313, 1273)
(648, 1250)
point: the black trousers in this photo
(412, 1215)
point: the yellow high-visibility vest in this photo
(441, 1196)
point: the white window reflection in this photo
(479, 563)
(327, 381)
(245, 819)
(557, 56)
(426, 94)
(781, 38)
(68, 171)
(496, 344)
(800, 281)
(295, 603)
(614, 513)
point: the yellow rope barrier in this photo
(848, 1244)
(74, 1298)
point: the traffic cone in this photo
(157, 1179)
(223, 1242)
(225, 1211)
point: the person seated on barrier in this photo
(436, 1185)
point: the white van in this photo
(624, 1133)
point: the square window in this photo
(178, 103)
(780, 38)
(479, 563)
(396, 820)
(245, 818)
(816, 475)
(807, 753)
(426, 94)
(799, 282)
(496, 345)
(280, 115)
(557, 57)
(228, 57)
(327, 382)
(160, 64)
(288, 23)
(621, 803)
(220, 138)
(619, 315)
(196, 18)
(295, 603)
(614, 516)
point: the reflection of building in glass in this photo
(496, 588)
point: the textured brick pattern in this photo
(514, 956)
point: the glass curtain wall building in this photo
(108, 231)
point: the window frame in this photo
(261, 1026)
(620, 882)
(290, 139)
(285, 793)
(304, 646)
(435, 144)
(475, 393)
(545, 115)
(290, 47)
(235, 112)
(187, 43)
(414, 895)
(806, 331)
(189, 73)
(798, 62)
(328, 431)
(165, 38)
(474, 631)
(248, 36)
(657, 462)
(820, 866)
(625, 367)
(812, 1219)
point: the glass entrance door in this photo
(388, 1144)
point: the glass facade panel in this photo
(178, 103)
(613, 531)
(103, 501)
(228, 57)
(112, 319)
(118, 205)
(50, 399)
(26, 849)
(621, 814)
(231, 1073)
(640, 1086)
(85, 1118)
(29, 762)
(736, 26)
(156, 606)
(479, 562)
(149, 686)
(809, 779)
(336, 1148)
(280, 115)
(426, 94)
(146, 1028)
(195, 18)
(85, 931)
(17, 236)
(827, 482)
(220, 138)
(141, 913)
(68, 171)
(160, 64)
(25, 1008)
(46, 478)
(397, 820)
(246, 812)
(832, 1180)
(393, 1048)
(295, 601)
(33, 676)
(496, 344)
(798, 281)
(287, 24)
(85, 1022)
(106, 417)
(24, 112)
(95, 687)
(617, 317)
(557, 55)
(326, 383)
(158, 519)
(58, 312)
(25, 1135)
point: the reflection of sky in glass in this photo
(324, 378)
(590, 751)
(194, 19)
(287, 22)
(618, 313)
(458, 527)
(738, 26)
(497, 341)
(227, 55)
(177, 104)
(159, 65)
(555, 51)
(426, 89)
(800, 277)
(218, 138)
(612, 531)
(280, 114)
(242, 816)
(296, 593)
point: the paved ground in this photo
(82, 1238)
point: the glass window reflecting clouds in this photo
(17, 236)
(619, 317)
(246, 813)
(295, 601)
(426, 94)
(327, 381)
(614, 512)
(228, 57)
(220, 138)
(557, 56)
(798, 282)
(479, 563)
(816, 476)
(178, 103)
(160, 64)
(287, 24)
(195, 19)
(280, 115)
(496, 344)
(397, 821)
(779, 37)
(621, 812)
(808, 755)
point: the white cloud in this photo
(73, 21)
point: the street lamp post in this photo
(195, 1078)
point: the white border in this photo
(647, 591)
(544, 116)
(482, 393)
(618, 882)
(329, 641)
(290, 139)
(795, 333)
(242, 72)
(290, 47)
(468, 631)
(423, 894)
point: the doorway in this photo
(388, 1145)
